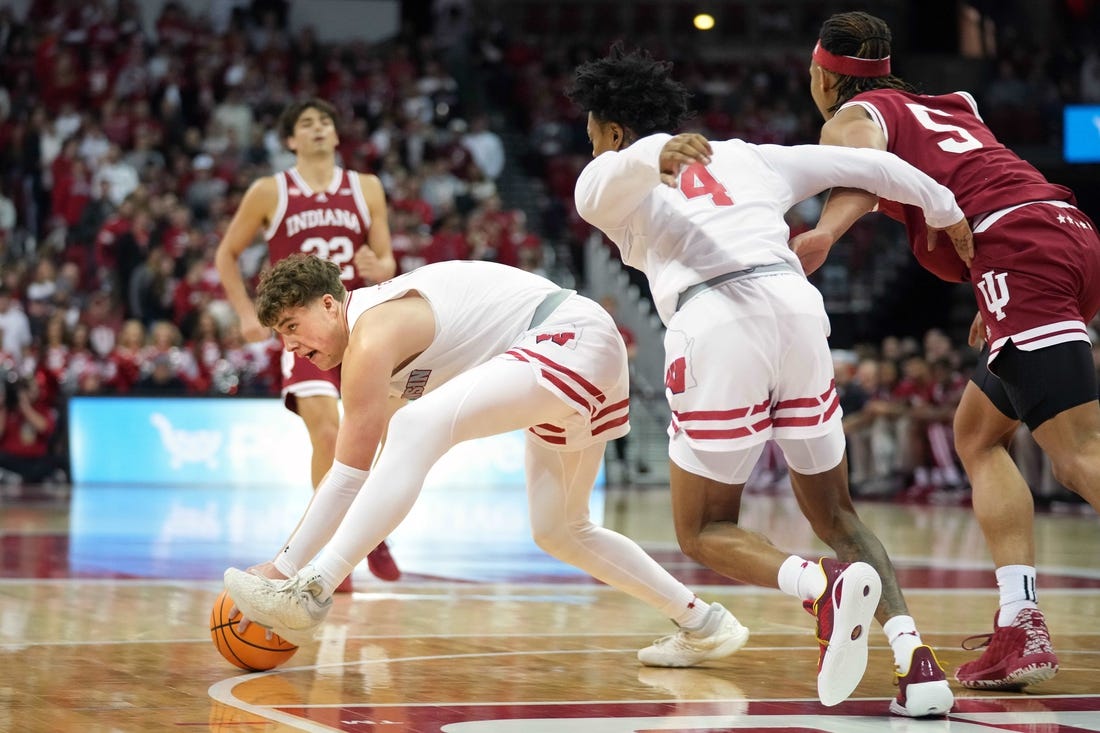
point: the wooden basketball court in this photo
(105, 629)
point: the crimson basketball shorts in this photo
(301, 378)
(1036, 276)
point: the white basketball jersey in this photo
(728, 215)
(480, 309)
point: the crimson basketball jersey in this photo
(945, 137)
(331, 224)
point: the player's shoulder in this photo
(262, 195)
(265, 185)
(367, 181)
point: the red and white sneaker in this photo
(1015, 656)
(844, 612)
(381, 563)
(923, 690)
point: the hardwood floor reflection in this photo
(484, 635)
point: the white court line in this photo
(222, 691)
(545, 591)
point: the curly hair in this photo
(295, 282)
(864, 36)
(288, 118)
(631, 88)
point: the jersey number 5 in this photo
(960, 140)
(338, 250)
(696, 181)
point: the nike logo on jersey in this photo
(414, 387)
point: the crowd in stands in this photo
(124, 153)
(123, 156)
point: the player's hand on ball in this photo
(683, 149)
(243, 623)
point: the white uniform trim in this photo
(280, 207)
(1041, 337)
(357, 194)
(983, 222)
(876, 116)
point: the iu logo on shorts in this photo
(994, 290)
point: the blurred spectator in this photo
(7, 218)
(161, 379)
(127, 360)
(15, 327)
(27, 423)
(205, 187)
(485, 146)
(121, 178)
(152, 288)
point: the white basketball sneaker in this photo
(719, 636)
(293, 605)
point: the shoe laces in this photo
(983, 640)
(299, 585)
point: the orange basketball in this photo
(251, 650)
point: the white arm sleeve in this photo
(323, 515)
(810, 169)
(612, 186)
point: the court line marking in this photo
(17, 646)
(545, 589)
(222, 691)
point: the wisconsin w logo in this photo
(994, 289)
(561, 339)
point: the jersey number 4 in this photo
(696, 181)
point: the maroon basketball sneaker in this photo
(844, 612)
(1015, 656)
(381, 563)
(923, 690)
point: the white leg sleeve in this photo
(558, 488)
(496, 397)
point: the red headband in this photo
(850, 65)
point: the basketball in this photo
(251, 650)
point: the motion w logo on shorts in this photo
(676, 376)
(561, 339)
(994, 289)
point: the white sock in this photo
(801, 578)
(693, 616)
(333, 570)
(1017, 587)
(901, 632)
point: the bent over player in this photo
(746, 352)
(317, 208)
(451, 352)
